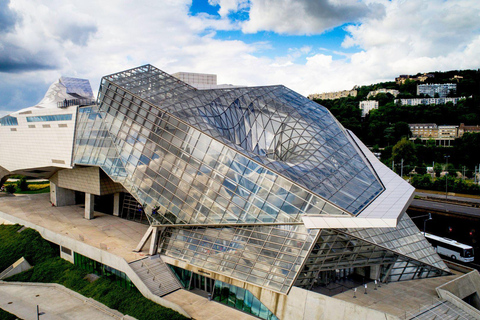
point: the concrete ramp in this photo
(156, 275)
(18, 266)
(444, 310)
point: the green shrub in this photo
(4, 315)
(49, 268)
(28, 244)
(22, 184)
(10, 188)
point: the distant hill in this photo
(388, 124)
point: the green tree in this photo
(421, 169)
(437, 169)
(452, 172)
(404, 149)
(22, 184)
(10, 188)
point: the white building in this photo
(333, 95)
(427, 101)
(393, 92)
(442, 89)
(367, 105)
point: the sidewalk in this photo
(55, 302)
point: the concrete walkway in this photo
(401, 299)
(108, 233)
(55, 302)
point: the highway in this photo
(445, 207)
(442, 196)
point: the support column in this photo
(154, 241)
(89, 202)
(116, 204)
(60, 196)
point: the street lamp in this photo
(446, 180)
(429, 215)
(425, 223)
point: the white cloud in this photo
(412, 36)
(306, 16)
(229, 6)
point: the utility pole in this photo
(446, 180)
(401, 169)
(393, 166)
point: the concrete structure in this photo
(424, 130)
(19, 266)
(427, 101)
(402, 78)
(443, 135)
(447, 132)
(255, 196)
(55, 302)
(440, 89)
(462, 129)
(201, 80)
(393, 92)
(333, 95)
(368, 105)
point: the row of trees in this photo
(426, 182)
(463, 156)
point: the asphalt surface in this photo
(442, 196)
(445, 207)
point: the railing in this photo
(6, 271)
(75, 102)
(144, 264)
(434, 310)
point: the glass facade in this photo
(92, 266)
(8, 121)
(231, 172)
(224, 293)
(56, 117)
(405, 240)
(267, 256)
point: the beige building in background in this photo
(333, 95)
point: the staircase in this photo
(443, 310)
(156, 275)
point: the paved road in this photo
(56, 302)
(442, 196)
(446, 207)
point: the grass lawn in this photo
(4, 315)
(50, 268)
(33, 187)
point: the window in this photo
(8, 121)
(57, 117)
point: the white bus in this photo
(451, 248)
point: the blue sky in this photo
(310, 46)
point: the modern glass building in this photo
(252, 192)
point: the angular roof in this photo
(273, 125)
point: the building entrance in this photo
(199, 282)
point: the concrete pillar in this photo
(116, 204)
(61, 197)
(375, 272)
(154, 241)
(89, 202)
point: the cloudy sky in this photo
(311, 46)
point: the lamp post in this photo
(446, 180)
(425, 223)
(429, 215)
